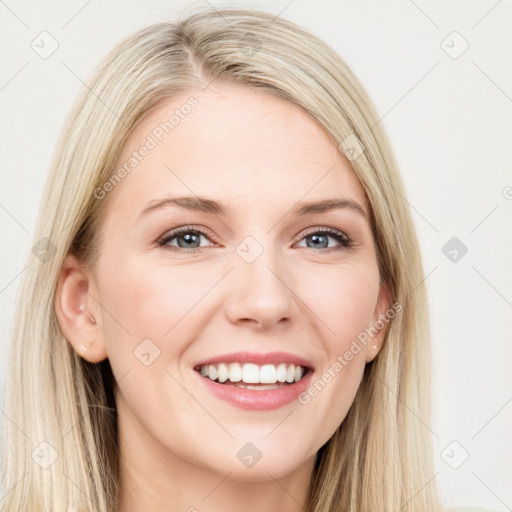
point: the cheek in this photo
(149, 302)
(148, 326)
(345, 301)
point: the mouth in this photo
(253, 376)
(255, 381)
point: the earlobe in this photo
(77, 312)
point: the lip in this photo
(254, 400)
(251, 399)
(258, 358)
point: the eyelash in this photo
(344, 241)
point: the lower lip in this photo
(257, 400)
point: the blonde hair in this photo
(380, 458)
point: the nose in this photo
(260, 293)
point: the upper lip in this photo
(258, 358)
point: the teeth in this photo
(290, 373)
(250, 373)
(235, 372)
(212, 372)
(223, 373)
(268, 374)
(281, 373)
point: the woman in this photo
(281, 365)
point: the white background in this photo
(450, 123)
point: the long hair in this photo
(60, 434)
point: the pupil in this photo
(316, 237)
(188, 239)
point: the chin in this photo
(253, 462)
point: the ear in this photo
(380, 322)
(78, 312)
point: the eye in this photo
(320, 239)
(187, 237)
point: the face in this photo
(255, 285)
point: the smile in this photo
(250, 373)
(258, 384)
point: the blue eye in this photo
(188, 239)
(320, 237)
(186, 236)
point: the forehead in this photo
(238, 141)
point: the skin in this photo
(260, 155)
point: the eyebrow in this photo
(202, 204)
